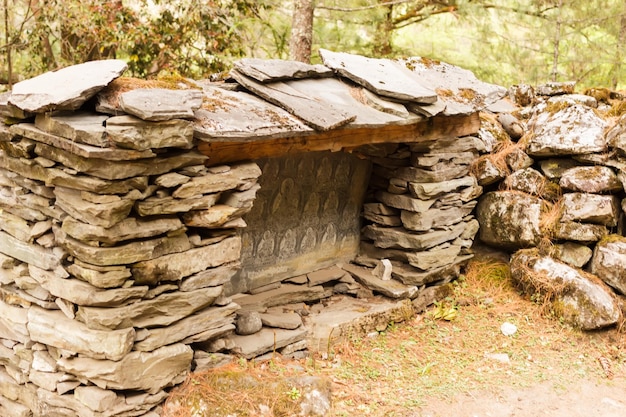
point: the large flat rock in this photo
(67, 88)
(382, 76)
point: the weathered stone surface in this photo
(32, 254)
(248, 322)
(163, 310)
(410, 275)
(13, 322)
(436, 218)
(53, 328)
(574, 254)
(609, 262)
(512, 125)
(390, 288)
(273, 70)
(487, 172)
(54, 176)
(510, 219)
(176, 266)
(110, 277)
(382, 76)
(553, 168)
(442, 160)
(83, 293)
(200, 322)
(430, 295)
(580, 232)
(582, 299)
(289, 321)
(399, 238)
(437, 173)
(404, 202)
(573, 130)
(82, 127)
(531, 181)
(267, 340)
(237, 176)
(20, 229)
(591, 179)
(159, 104)
(616, 136)
(286, 294)
(590, 208)
(132, 133)
(67, 88)
(210, 277)
(105, 214)
(574, 99)
(434, 258)
(170, 205)
(554, 88)
(28, 130)
(518, 159)
(427, 191)
(146, 371)
(128, 253)
(322, 276)
(213, 217)
(119, 170)
(128, 229)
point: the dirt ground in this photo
(581, 399)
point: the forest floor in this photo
(465, 366)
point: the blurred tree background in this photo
(503, 41)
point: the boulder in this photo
(580, 298)
(609, 261)
(532, 182)
(590, 179)
(591, 208)
(510, 219)
(572, 130)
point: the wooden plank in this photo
(28, 130)
(346, 138)
(318, 115)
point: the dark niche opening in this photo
(306, 217)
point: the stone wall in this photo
(125, 251)
(556, 200)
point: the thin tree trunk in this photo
(301, 31)
(619, 51)
(557, 42)
(8, 44)
(382, 40)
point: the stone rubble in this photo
(562, 216)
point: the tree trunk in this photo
(619, 53)
(8, 45)
(301, 31)
(382, 39)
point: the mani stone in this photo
(573, 130)
(609, 262)
(82, 127)
(581, 299)
(590, 208)
(159, 104)
(510, 219)
(53, 328)
(132, 133)
(591, 179)
(145, 371)
(67, 88)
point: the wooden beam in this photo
(338, 139)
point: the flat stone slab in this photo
(67, 88)
(382, 76)
(82, 127)
(345, 317)
(389, 288)
(130, 132)
(318, 115)
(272, 70)
(158, 104)
(267, 340)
